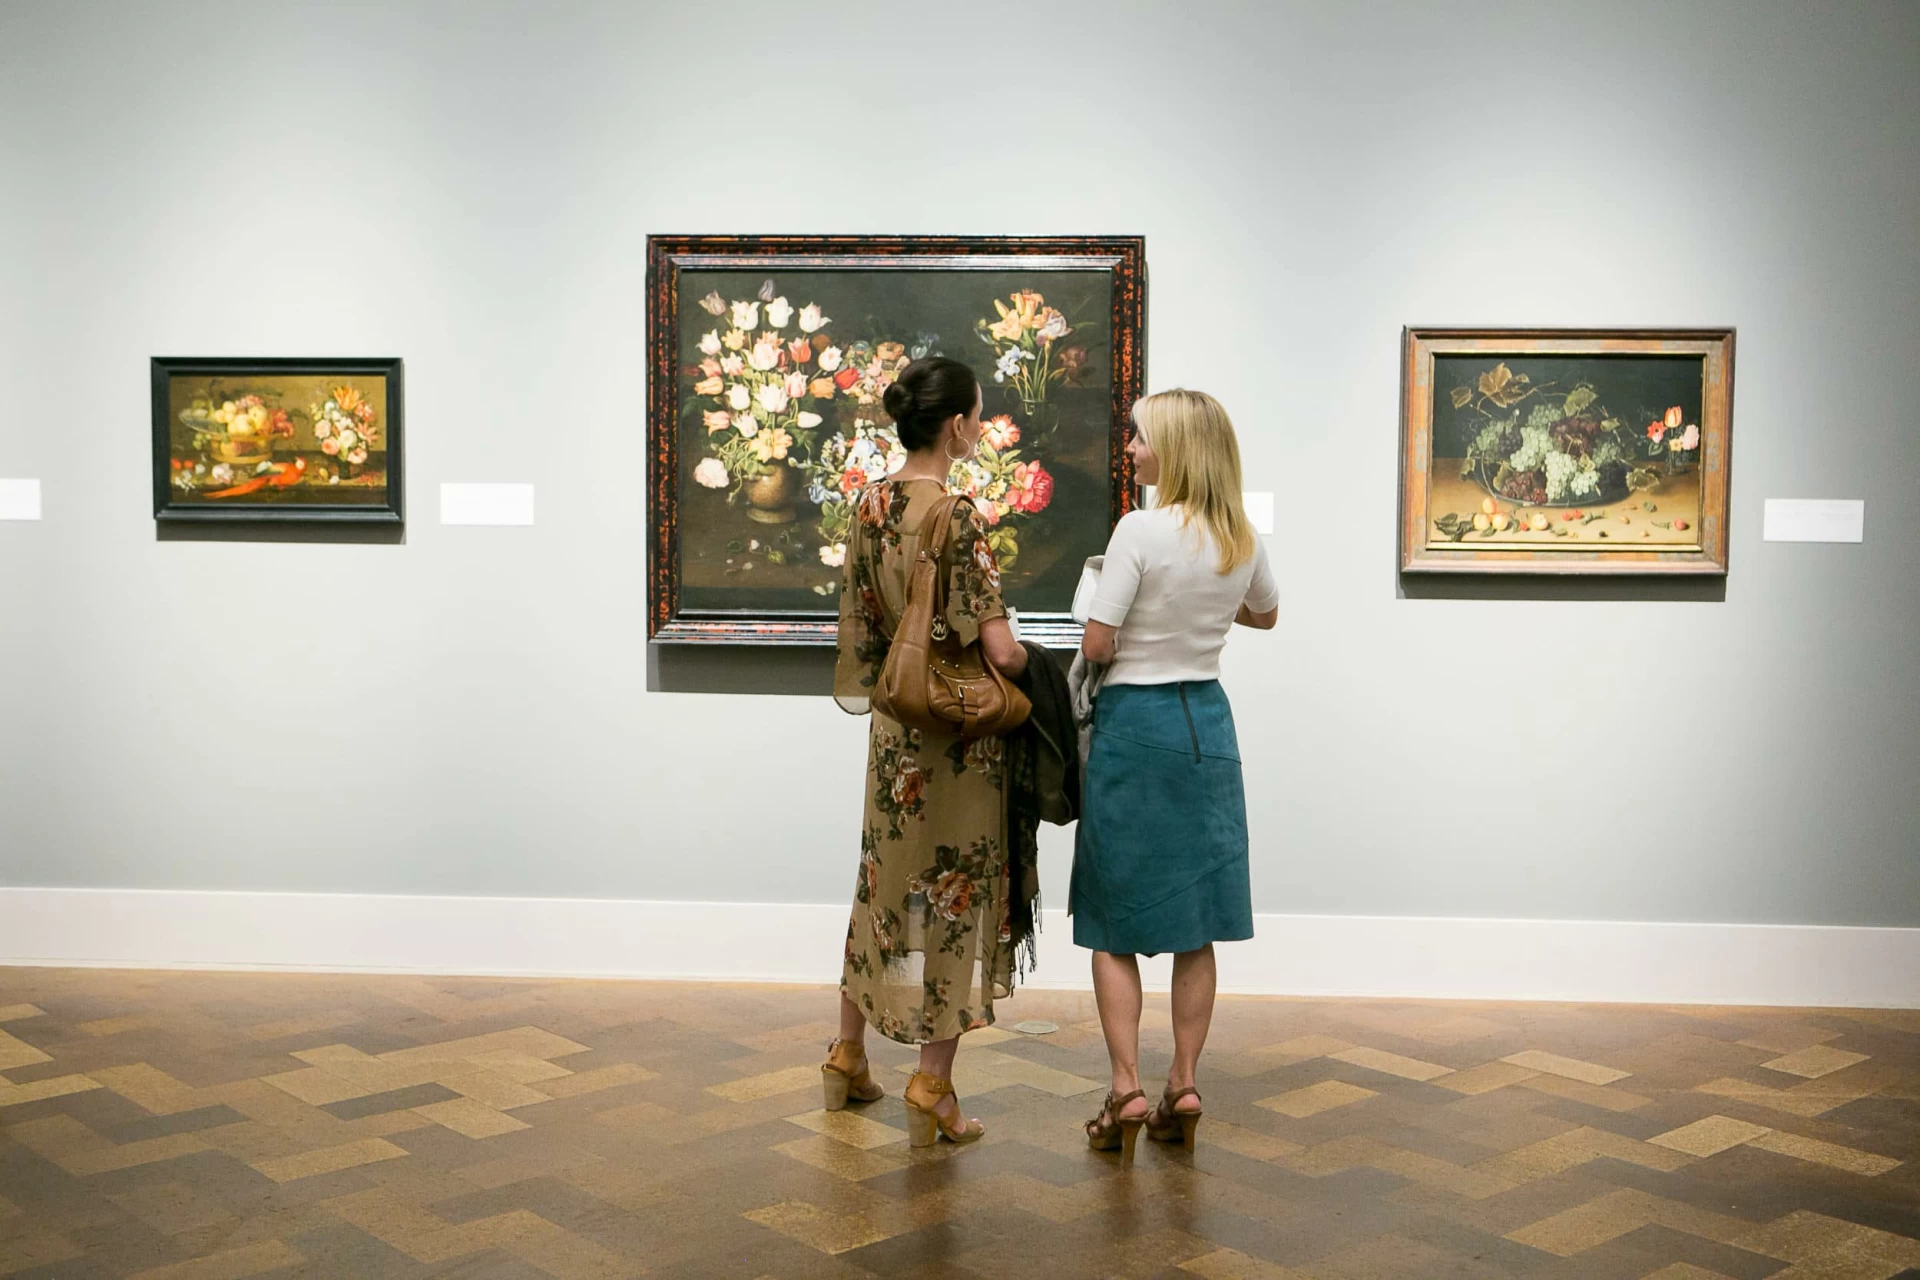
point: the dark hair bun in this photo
(929, 392)
(898, 402)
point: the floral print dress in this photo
(929, 946)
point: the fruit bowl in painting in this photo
(1613, 487)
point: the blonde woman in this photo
(1160, 860)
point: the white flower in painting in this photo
(221, 473)
(810, 318)
(1691, 439)
(710, 344)
(830, 359)
(348, 438)
(711, 472)
(747, 425)
(796, 384)
(746, 315)
(808, 421)
(764, 355)
(322, 429)
(774, 398)
(1054, 327)
(732, 366)
(834, 556)
(1009, 363)
(358, 456)
(779, 311)
(738, 397)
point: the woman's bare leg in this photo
(853, 1023)
(1116, 992)
(1194, 979)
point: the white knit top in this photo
(1161, 586)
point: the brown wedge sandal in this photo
(845, 1078)
(1110, 1131)
(1164, 1124)
(925, 1125)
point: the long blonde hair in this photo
(1199, 457)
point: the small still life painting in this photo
(1566, 452)
(770, 370)
(240, 440)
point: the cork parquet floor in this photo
(215, 1126)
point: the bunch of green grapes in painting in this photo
(278, 439)
(781, 422)
(1566, 452)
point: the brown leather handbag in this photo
(930, 681)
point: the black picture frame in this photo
(168, 508)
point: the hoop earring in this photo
(970, 451)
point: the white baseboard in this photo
(1406, 957)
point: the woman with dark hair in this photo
(931, 942)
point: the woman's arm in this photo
(1099, 642)
(1006, 654)
(1264, 621)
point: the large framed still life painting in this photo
(246, 440)
(768, 360)
(1566, 451)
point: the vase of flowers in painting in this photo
(773, 495)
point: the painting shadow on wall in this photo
(386, 535)
(1700, 590)
(801, 670)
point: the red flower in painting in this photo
(1655, 430)
(1031, 488)
(851, 480)
(846, 378)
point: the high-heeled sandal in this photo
(1111, 1131)
(1167, 1124)
(845, 1078)
(925, 1125)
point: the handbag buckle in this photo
(939, 629)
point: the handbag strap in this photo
(936, 531)
(936, 535)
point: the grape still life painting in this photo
(769, 358)
(263, 440)
(1566, 451)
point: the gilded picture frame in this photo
(1565, 451)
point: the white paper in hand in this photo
(1089, 587)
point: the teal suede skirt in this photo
(1160, 859)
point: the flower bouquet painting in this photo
(1566, 451)
(274, 439)
(770, 361)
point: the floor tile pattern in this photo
(220, 1126)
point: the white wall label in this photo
(1259, 509)
(1815, 520)
(19, 499)
(486, 504)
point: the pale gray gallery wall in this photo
(470, 186)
